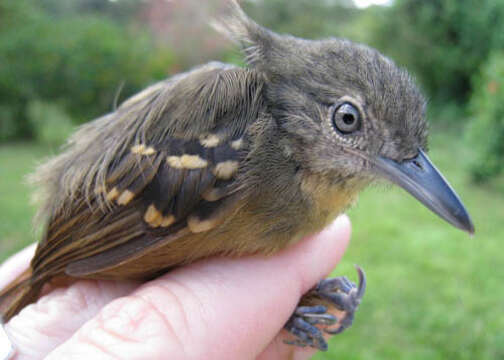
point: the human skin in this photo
(218, 308)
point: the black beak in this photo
(420, 178)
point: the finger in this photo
(215, 309)
(15, 265)
(277, 349)
(41, 327)
(338, 232)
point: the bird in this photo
(224, 160)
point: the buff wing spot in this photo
(141, 149)
(125, 197)
(209, 141)
(226, 169)
(153, 216)
(112, 194)
(187, 162)
(237, 144)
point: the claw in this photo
(343, 294)
(336, 331)
(347, 302)
(362, 282)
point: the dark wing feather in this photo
(171, 167)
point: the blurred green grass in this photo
(433, 292)
(16, 211)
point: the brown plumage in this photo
(223, 160)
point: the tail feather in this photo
(16, 295)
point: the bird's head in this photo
(347, 111)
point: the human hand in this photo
(214, 309)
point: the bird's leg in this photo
(314, 316)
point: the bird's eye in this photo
(346, 118)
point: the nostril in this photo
(417, 164)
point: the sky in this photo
(366, 3)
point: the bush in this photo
(486, 129)
(50, 122)
(296, 16)
(443, 42)
(8, 126)
(78, 61)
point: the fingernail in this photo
(340, 223)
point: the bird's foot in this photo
(309, 323)
(302, 324)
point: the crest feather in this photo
(237, 26)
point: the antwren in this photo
(228, 161)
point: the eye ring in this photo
(346, 118)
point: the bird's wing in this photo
(174, 175)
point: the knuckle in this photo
(132, 317)
(131, 325)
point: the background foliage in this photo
(433, 293)
(72, 56)
(444, 42)
(486, 128)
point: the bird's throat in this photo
(327, 200)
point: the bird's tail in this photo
(17, 294)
